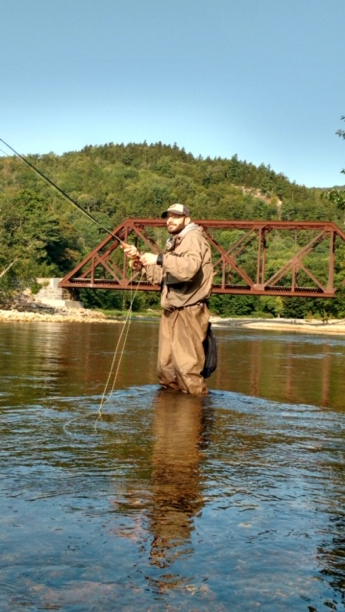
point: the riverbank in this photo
(313, 326)
(61, 315)
(84, 315)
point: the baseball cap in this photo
(177, 209)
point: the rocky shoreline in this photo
(55, 315)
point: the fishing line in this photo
(59, 190)
(8, 267)
(3, 272)
(104, 399)
(126, 325)
(125, 330)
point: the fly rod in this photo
(123, 244)
(61, 191)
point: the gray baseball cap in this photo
(177, 209)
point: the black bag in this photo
(211, 357)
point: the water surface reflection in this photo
(228, 502)
(282, 366)
(170, 497)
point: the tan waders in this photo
(181, 353)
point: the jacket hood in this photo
(170, 243)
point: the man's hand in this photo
(148, 259)
(130, 250)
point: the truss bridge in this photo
(250, 257)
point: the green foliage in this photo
(45, 236)
(296, 307)
(271, 305)
(337, 196)
(318, 308)
(233, 305)
(341, 133)
(119, 300)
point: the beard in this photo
(174, 231)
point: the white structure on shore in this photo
(52, 295)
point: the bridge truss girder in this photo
(241, 255)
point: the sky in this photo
(260, 79)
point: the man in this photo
(185, 272)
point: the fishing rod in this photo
(61, 191)
(8, 267)
(136, 265)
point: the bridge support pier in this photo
(51, 294)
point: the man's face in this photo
(175, 223)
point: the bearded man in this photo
(185, 273)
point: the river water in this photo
(160, 501)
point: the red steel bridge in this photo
(286, 258)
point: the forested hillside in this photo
(43, 235)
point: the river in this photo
(160, 501)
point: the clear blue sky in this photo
(263, 79)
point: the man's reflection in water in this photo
(179, 439)
(162, 509)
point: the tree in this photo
(337, 196)
(341, 133)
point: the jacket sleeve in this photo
(183, 265)
(153, 274)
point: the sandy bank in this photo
(330, 327)
(333, 326)
(83, 315)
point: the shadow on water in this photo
(230, 502)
